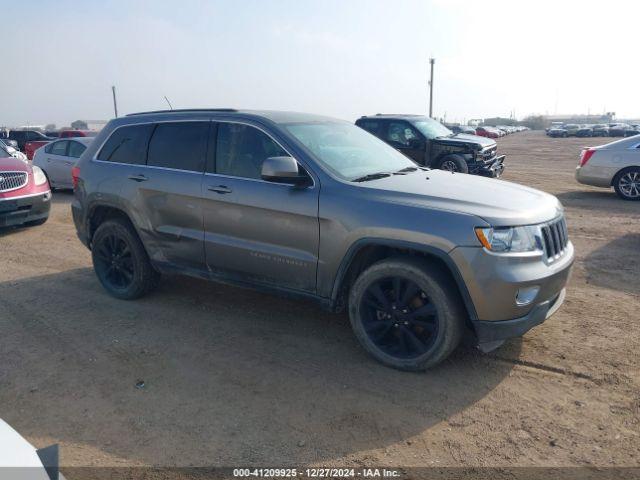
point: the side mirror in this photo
(283, 170)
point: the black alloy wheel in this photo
(120, 260)
(399, 318)
(114, 262)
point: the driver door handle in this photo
(138, 178)
(219, 189)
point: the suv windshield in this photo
(347, 150)
(431, 128)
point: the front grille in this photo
(12, 180)
(488, 153)
(555, 238)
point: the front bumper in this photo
(493, 168)
(494, 333)
(494, 280)
(21, 210)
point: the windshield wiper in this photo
(406, 169)
(371, 176)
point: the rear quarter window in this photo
(76, 149)
(127, 145)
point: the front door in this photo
(256, 230)
(402, 136)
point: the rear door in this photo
(74, 150)
(55, 158)
(257, 230)
(167, 193)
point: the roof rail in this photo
(182, 110)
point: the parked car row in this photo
(487, 131)
(28, 141)
(594, 130)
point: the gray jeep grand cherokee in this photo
(308, 205)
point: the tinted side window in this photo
(127, 145)
(59, 148)
(241, 149)
(76, 149)
(180, 145)
(400, 133)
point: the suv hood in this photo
(463, 138)
(497, 202)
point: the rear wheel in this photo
(627, 183)
(406, 313)
(454, 163)
(121, 262)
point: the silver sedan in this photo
(616, 164)
(57, 158)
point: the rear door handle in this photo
(219, 189)
(138, 178)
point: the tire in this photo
(121, 262)
(36, 223)
(627, 183)
(454, 163)
(388, 329)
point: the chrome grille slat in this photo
(555, 238)
(12, 180)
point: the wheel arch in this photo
(367, 251)
(100, 213)
(619, 172)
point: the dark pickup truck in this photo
(433, 145)
(22, 137)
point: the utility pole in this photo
(432, 61)
(115, 105)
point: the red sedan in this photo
(25, 196)
(487, 132)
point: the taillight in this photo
(586, 155)
(75, 174)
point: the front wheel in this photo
(121, 262)
(627, 184)
(454, 163)
(406, 313)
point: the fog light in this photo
(46, 197)
(526, 295)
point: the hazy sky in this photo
(343, 58)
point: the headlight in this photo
(38, 176)
(511, 239)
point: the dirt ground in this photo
(236, 378)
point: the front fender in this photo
(436, 252)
